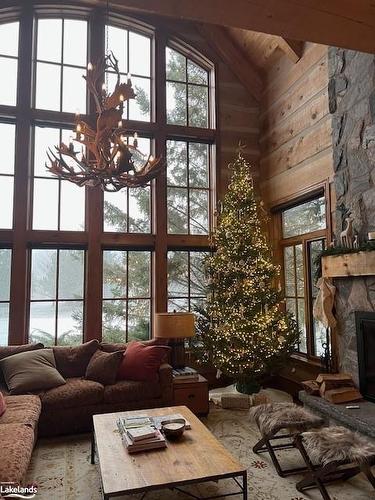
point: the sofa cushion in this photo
(17, 443)
(22, 410)
(103, 367)
(9, 350)
(108, 347)
(73, 361)
(127, 391)
(3, 405)
(31, 371)
(76, 392)
(142, 362)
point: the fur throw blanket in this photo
(337, 444)
(273, 417)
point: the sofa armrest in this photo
(166, 383)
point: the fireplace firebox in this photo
(365, 329)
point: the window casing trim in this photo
(319, 190)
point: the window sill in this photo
(313, 361)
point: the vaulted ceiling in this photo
(343, 23)
(251, 35)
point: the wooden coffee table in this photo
(198, 457)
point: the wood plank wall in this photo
(296, 134)
(237, 111)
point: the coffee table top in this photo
(197, 456)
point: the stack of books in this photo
(185, 374)
(140, 434)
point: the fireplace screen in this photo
(365, 327)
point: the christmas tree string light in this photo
(248, 334)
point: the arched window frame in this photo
(23, 238)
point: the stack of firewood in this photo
(334, 387)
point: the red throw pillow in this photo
(3, 406)
(142, 362)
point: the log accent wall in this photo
(296, 131)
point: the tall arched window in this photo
(77, 263)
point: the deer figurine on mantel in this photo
(347, 235)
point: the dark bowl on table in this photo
(173, 429)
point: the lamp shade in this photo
(174, 325)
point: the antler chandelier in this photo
(108, 161)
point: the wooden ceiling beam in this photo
(292, 48)
(221, 42)
(341, 23)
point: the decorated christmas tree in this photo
(248, 334)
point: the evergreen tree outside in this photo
(140, 214)
(245, 334)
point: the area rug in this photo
(61, 468)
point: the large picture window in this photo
(86, 263)
(187, 91)
(57, 296)
(304, 236)
(9, 62)
(188, 195)
(7, 145)
(186, 280)
(61, 58)
(130, 210)
(58, 205)
(133, 51)
(5, 266)
(126, 295)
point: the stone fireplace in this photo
(352, 104)
(365, 328)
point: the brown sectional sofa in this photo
(18, 432)
(68, 408)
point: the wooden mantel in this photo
(349, 264)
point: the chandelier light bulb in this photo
(122, 98)
(151, 158)
(90, 67)
(119, 125)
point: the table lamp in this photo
(175, 327)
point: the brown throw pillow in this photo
(73, 361)
(9, 350)
(103, 367)
(31, 371)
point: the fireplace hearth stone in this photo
(361, 420)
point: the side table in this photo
(192, 393)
